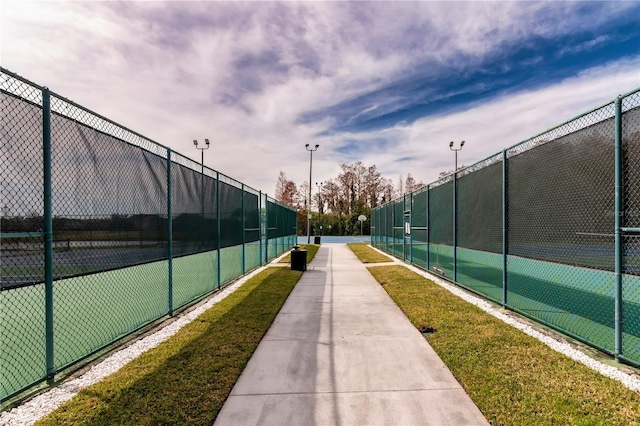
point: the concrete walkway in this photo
(340, 352)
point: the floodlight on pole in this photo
(202, 150)
(311, 150)
(456, 153)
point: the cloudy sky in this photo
(387, 83)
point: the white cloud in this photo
(490, 127)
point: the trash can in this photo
(316, 239)
(298, 259)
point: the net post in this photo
(218, 240)
(48, 233)
(169, 233)
(618, 158)
(505, 234)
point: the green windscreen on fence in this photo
(22, 307)
(104, 231)
(560, 199)
(398, 228)
(479, 228)
(419, 228)
(194, 209)
(534, 227)
(441, 228)
(631, 218)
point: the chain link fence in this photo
(104, 231)
(537, 228)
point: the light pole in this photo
(456, 151)
(311, 150)
(320, 205)
(202, 150)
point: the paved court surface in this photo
(340, 352)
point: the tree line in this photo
(337, 203)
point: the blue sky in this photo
(387, 83)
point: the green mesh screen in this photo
(22, 334)
(441, 228)
(559, 214)
(251, 206)
(281, 227)
(419, 228)
(383, 230)
(22, 315)
(376, 234)
(231, 228)
(398, 228)
(230, 263)
(110, 203)
(277, 228)
(631, 218)
(121, 222)
(194, 276)
(98, 308)
(406, 228)
(479, 227)
(194, 208)
(389, 234)
(121, 219)
(22, 205)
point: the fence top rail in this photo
(576, 118)
(630, 93)
(479, 165)
(277, 203)
(20, 78)
(444, 180)
(86, 110)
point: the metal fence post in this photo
(244, 268)
(48, 233)
(260, 225)
(410, 226)
(169, 232)
(428, 231)
(505, 235)
(386, 229)
(266, 228)
(455, 227)
(404, 230)
(619, 205)
(393, 228)
(218, 242)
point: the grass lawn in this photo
(367, 255)
(186, 379)
(311, 249)
(512, 377)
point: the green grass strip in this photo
(368, 255)
(186, 379)
(311, 249)
(513, 378)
